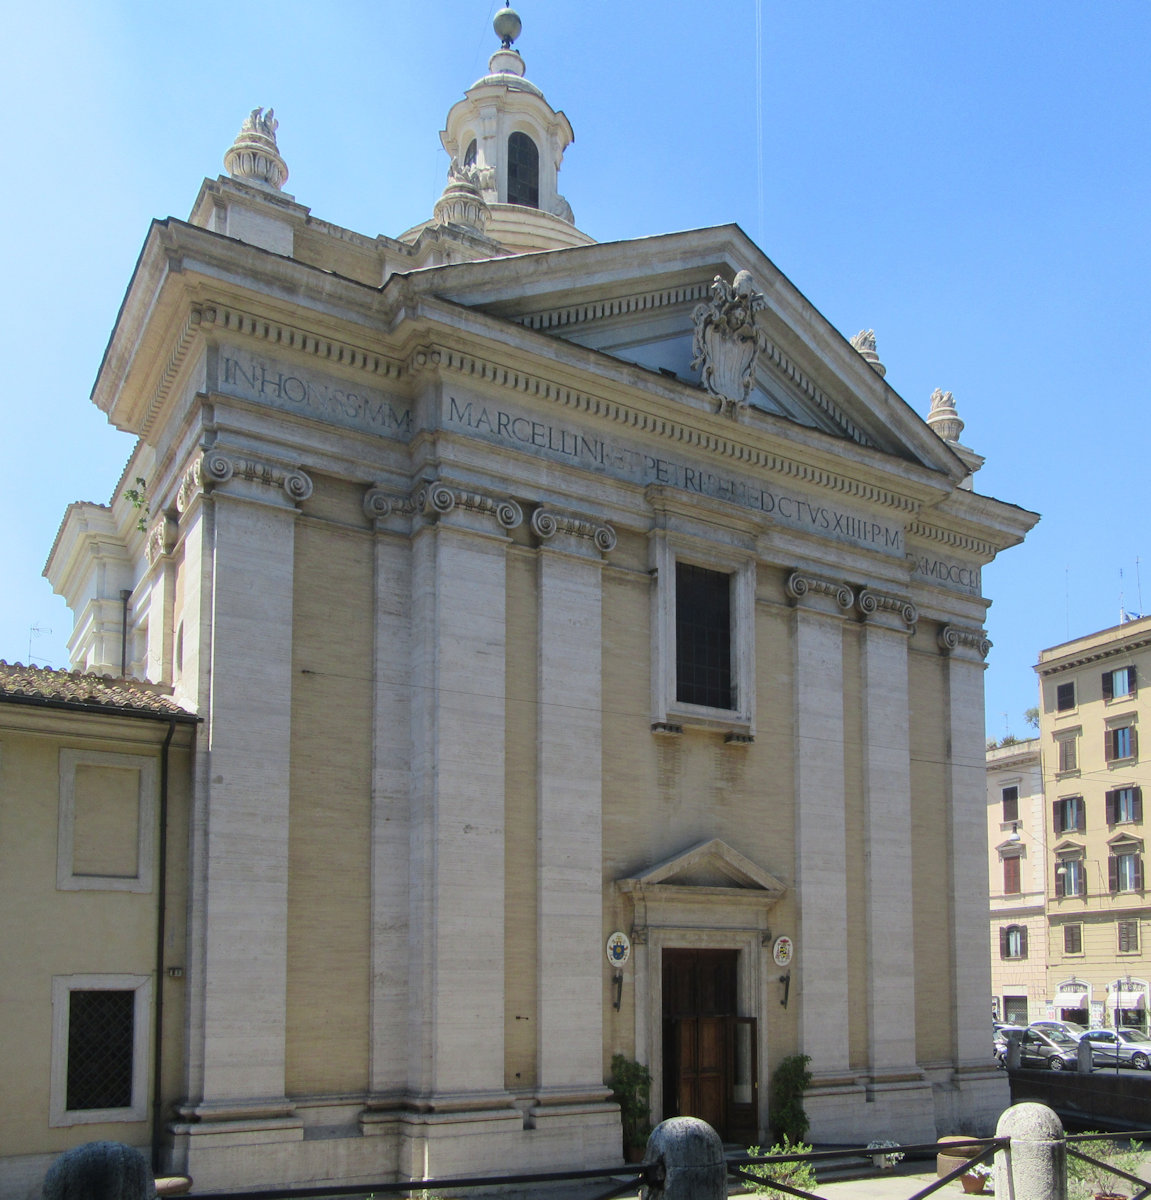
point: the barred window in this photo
(703, 637)
(101, 1031)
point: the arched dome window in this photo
(523, 171)
(470, 154)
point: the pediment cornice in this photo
(708, 870)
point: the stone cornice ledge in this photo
(746, 457)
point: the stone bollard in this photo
(1086, 1062)
(691, 1154)
(1014, 1049)
(99, 1171)
(1035, 1167)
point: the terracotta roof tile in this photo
(74, 689)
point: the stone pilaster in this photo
(242, 801)
(391, 818)
(570, 800)
(897, 1083)
(459, 643)
(161, 576)
(821, 866)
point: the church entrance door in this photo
(708, 1051)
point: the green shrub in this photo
(630, 1083)
(789, 1123)
(1085, 1179)
(797, 1175)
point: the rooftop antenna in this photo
(1067, 598)
(1122, 599)
(1138, 585)
(34, 631)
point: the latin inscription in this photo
(295, 390)
(647, 468)
(950, 574)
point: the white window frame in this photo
(667, 710)
(67, 879)
(62, 988)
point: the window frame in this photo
(1067, 752)
(1131, 684)
(531, 186)
(59, 1115)
(1010, 814)
(1113, 736)
(668, 712)
(1016, 870)
(1009, 934)
(1060, 693)
(1125, 860)
(1074, 865)
(67, 878)
(1114, 804)
(1130, 925)
(1077, 938)
(1059, 809)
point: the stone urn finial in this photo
(462, 202)
(254, 156)
(943, 417)
(864, 342)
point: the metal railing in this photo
(1071, 1138)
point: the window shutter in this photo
(1111, 803)
(1022, 941)
(1003, 942)
(1109, 744)
(1113, 874)
(1134, 742)
(1080, 810)
(1060, 879)
(1108, 685)
(1057, 816)
(1137, 859)
(1137, 804)
(1131, 679)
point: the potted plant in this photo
(889, 1156)
(1089, 1181)
(630, 1083)
(977, 1180)
(790, 1174)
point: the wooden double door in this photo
(709, 1052)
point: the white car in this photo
(1070, 1028)
(1127, 1047)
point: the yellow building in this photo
(1017, 874)
(94, 791)
(589, 643)
(1091, 707)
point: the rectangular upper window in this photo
(703, 673)
(1124, 804)
(1119, 742)
(1013, 941)
(1128, 937)
(1125, 872)
(1070, 877)
(1011, 804)
(1011, 876)
(1067, 750)
(1068, 815)
(1065, 697)
(1119, 684)
(1072, 939)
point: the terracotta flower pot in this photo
(973, 1184)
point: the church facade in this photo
(588, 644)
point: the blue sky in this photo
(971, 181)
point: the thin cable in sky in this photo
(761, 234)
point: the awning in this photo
(1127, 999)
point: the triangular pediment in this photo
(633, 302)
(707, 868)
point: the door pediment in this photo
(710, 872)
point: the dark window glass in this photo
(470, 154)
(1011, 804)
(523, 171)
(1065, 696)
(703, 637)
(1072, 939)
(100, 1030)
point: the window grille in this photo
(100, 1036)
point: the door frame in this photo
(750, 988)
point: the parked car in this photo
(1128, 1047)
(1051, 1048)
(1068, 1027)
(999, 1040)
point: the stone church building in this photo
(588, 649)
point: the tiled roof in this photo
(93, 693)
